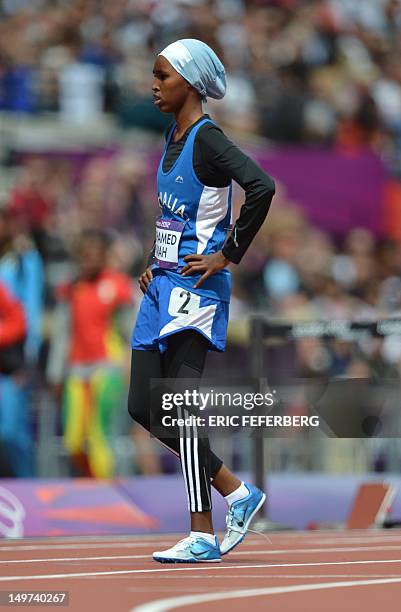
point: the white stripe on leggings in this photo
(183, 462)
(189, 464)
(197, 479)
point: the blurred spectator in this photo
(12, 330)
(89, 354)
(30, 203)
(12, 334)
(81, 88)
(21, 270)
(22, 274)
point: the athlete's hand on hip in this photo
(209, 264)
(145, 279)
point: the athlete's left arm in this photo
(221, 157)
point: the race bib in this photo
(168, 236)
(183, 302)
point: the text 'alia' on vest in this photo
(175, 207)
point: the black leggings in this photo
(184, 359)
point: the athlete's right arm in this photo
(145, 279)
(147, 276)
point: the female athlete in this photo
(184, 311)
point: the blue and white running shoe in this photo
(239, 517)
(192, 549)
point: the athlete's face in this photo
(170, 89)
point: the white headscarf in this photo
(198, 64)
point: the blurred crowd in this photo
(76, 229)
(304, 70)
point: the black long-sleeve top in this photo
(217, 161)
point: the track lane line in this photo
(298, 551)
(249, 544)
(168, 539)
(162, 605)
(200, 567)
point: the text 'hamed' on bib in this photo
(168, 236)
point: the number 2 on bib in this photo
(183, 302)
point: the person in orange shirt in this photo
(88, 352)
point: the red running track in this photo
(308, 571)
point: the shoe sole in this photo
(258, 507)
(166, 560)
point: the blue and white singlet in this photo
(201, 213)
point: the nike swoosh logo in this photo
(195, 554)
